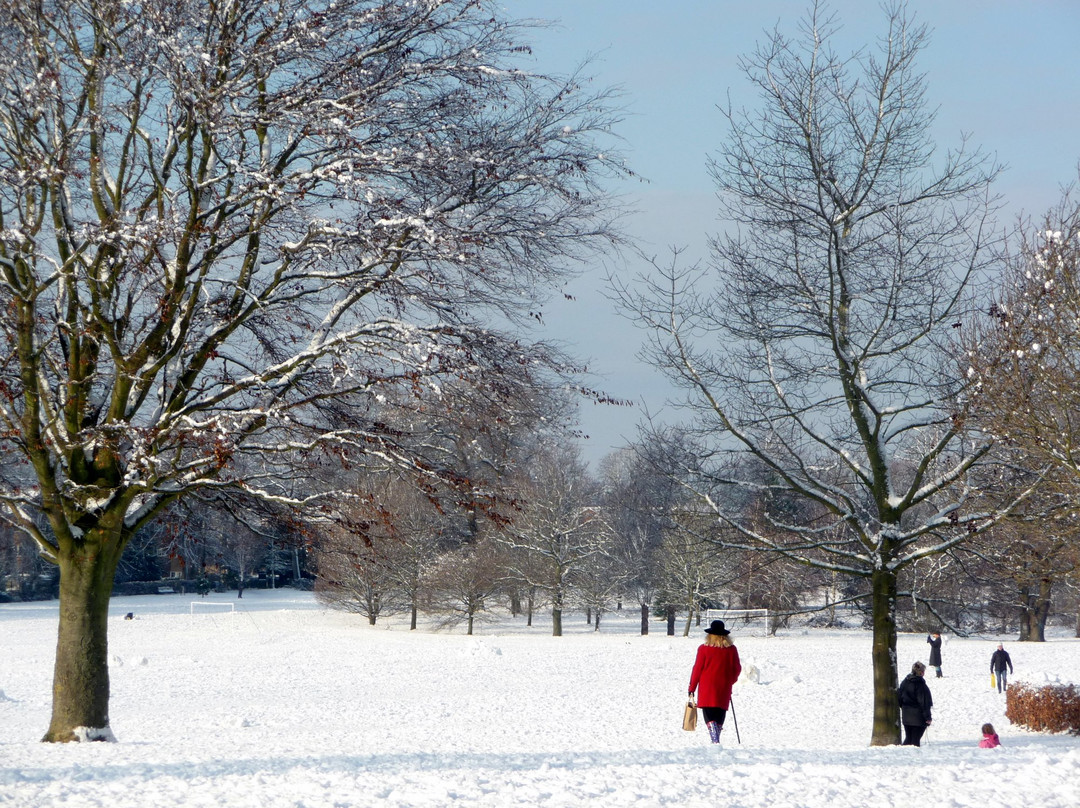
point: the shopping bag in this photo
(689, 718)
(993, 681)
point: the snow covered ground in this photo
(283, 703)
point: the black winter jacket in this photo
(915, 701)
(999, 660)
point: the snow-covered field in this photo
(284, 703)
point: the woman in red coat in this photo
(716, 669)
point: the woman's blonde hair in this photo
(718, 640)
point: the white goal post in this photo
(222, 604)
(748, 622)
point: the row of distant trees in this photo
(562, 537)
(626, 539)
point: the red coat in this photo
(715, 671)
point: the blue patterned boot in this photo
(714, 731)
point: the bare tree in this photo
(1024, 360)
(823, 345)
(553, 533)
(225, 229)
(24, 575)
(241, 552)
(601, 576)
(462, 582)
(374, 558)
(356, 573)
(692, 570)
(520, 576)
(421, 528)
(186, 531)
(637, 501)
(1035, 549)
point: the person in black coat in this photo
(915, 703)
(935, 652)
(998, 662)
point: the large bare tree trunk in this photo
(886, 731)
(80, 708)
(1034, 609)
(556, 612)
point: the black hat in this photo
(717, 627)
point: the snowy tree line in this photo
(562, 538)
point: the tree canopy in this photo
(231, 231)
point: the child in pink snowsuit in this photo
(990, 738)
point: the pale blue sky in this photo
(1005, 72)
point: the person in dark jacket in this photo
(915, 703)
(935, 652)
(716, 669)
(998, 662)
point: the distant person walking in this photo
(716, 669)
(998, 662)
(915, 703)
(935, 652)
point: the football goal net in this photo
(748, 622)
(212, 606)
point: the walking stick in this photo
(731, 704)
